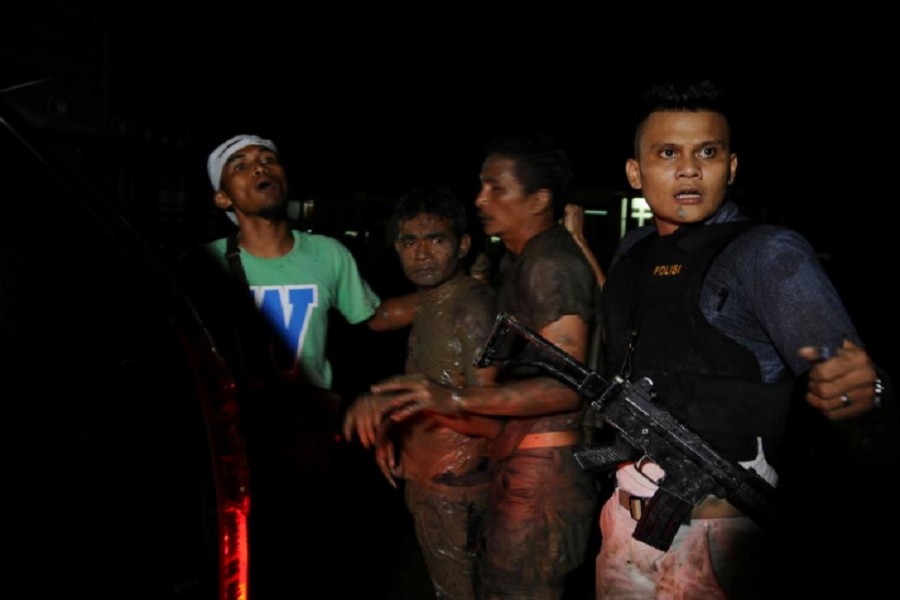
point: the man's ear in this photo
(222, 200)
(633, 173)
(465, 244)
(542, 201)
(732, 168)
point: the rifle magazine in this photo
(660, 520)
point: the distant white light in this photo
(639, 211)
(351, 233)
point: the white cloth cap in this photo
(218, 157)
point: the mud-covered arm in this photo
(528, 397)
(469, 423)
(394, 313)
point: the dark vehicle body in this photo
(124, 474)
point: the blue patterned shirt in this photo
(769, 292)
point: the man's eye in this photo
(238, 166)
(667, 153)
(708, 152)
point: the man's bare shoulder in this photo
(474, 303)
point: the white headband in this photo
(218, 157)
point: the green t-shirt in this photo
(296, 291)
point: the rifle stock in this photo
(694, 470)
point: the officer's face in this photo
(684, 166)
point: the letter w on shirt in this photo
(288, 308)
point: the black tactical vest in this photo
(706, 380)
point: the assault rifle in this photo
(693, 469)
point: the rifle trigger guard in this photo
(644, 461)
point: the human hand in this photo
(843, 385)
(364, 416)
(410, 394)
(385, 456)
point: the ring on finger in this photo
(845, 400)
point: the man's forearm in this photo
(525, 398)
(471, 425)
(394, 313)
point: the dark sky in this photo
(380, 100)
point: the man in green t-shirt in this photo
(295, 278)
(265, 294)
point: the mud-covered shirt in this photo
(548, 280)
(450, 326)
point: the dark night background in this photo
(365, 106)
